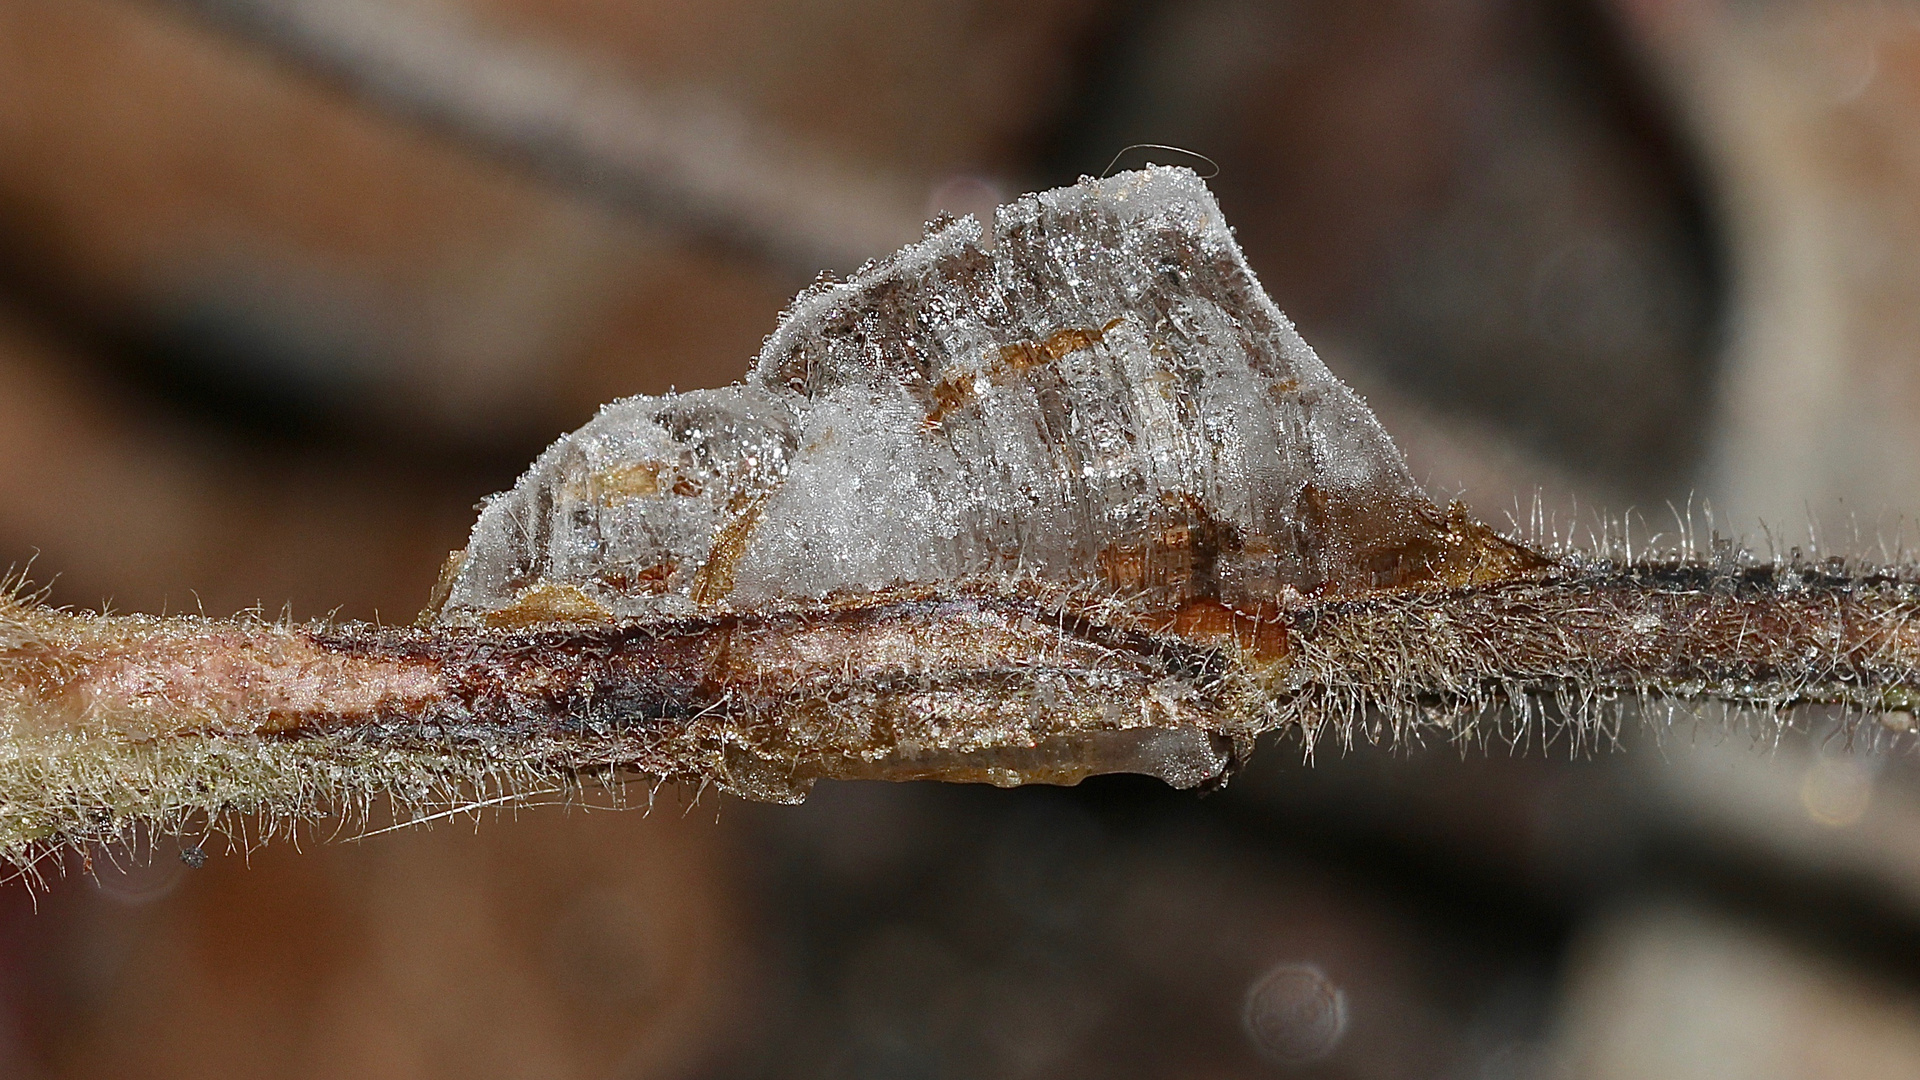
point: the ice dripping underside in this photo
(1104, 400)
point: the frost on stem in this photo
(1081, 503)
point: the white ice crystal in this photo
(1106, 397)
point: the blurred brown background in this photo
(286, 286)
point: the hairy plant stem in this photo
(111, 721)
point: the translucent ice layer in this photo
(1106, 399)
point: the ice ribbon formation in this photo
(1105, 398)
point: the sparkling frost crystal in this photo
(1107, 399)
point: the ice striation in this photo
(1104, 399)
